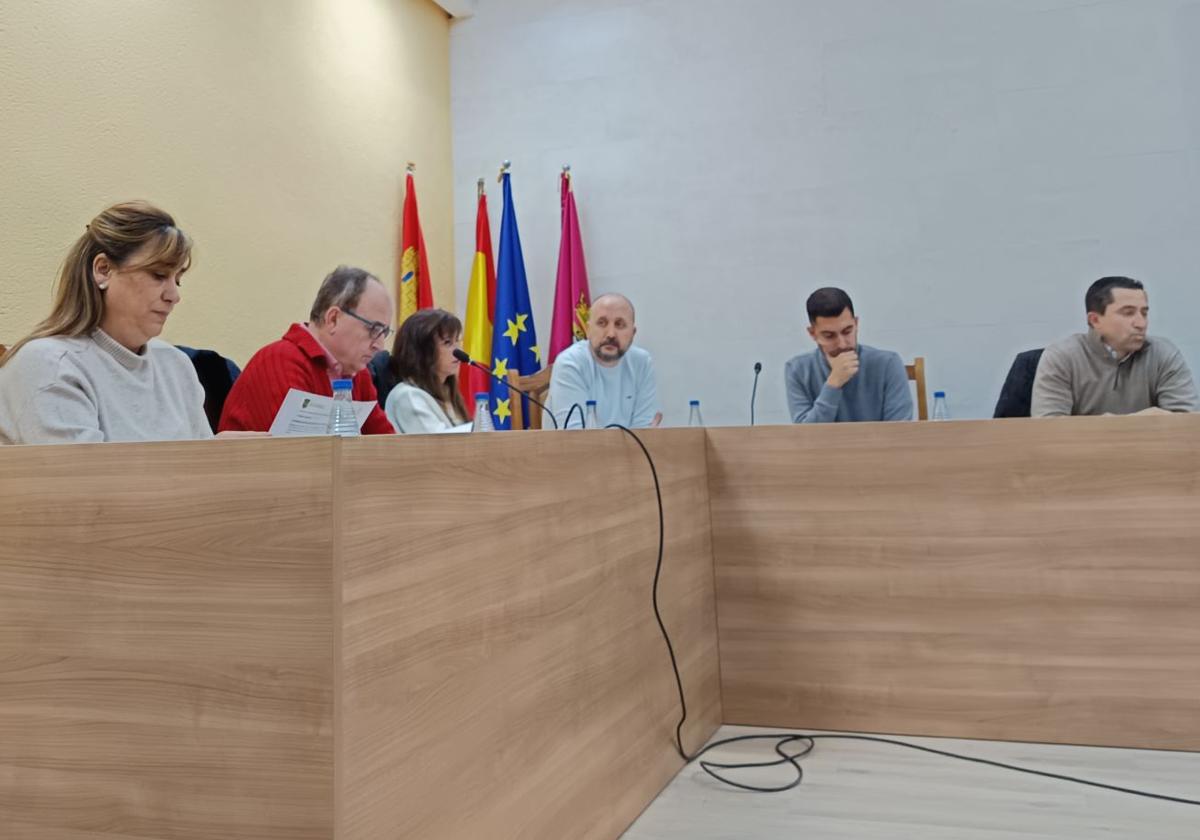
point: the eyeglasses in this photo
(374, 328)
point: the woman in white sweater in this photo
(94, 370)
(425, 398)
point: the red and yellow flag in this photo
(413, 291)
(572, 300)
(481, 309)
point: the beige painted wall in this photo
(276, 132)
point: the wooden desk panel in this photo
(503, 674)
(312, 638)
(1031, 580)
(302, 638)
(166, 641)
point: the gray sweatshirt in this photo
(879, 391)
(1080, 375)
(91, 389)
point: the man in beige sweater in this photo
(1114, 368)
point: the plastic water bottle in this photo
(342, 421)
(591, 417)
(939, 406)
(694, 418)
(483, 414)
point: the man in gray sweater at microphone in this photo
(843, 380)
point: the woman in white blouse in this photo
(426, 397)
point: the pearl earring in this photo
(102, 286)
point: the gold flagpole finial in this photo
(504, 167)
(479, 188)
(410, 168)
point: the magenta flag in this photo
(572, 300)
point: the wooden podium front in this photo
(446, 636)
(1016, 580)
(452, 637)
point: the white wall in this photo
(964, 168)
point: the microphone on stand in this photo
(754, 390)
(462, 356)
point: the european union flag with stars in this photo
(514, 340)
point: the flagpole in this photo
(410, 167)
(479, 189)
(504, 167)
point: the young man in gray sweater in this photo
(1114, 368)
(843, 380)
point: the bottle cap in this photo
(937, 394)
(343, 384)
(482, 395)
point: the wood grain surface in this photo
(452, 636)
(503, 674)
(1026, 580)
(166, 641)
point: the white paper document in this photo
(303, 413)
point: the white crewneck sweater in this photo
(91, 389)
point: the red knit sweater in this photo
(295, 361)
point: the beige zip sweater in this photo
(1080, 375)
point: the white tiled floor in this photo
(871, 791)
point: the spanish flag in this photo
(481, 309)
(413, 290)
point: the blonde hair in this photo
(116, 232)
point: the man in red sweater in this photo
(349, 324)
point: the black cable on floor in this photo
(782, 739)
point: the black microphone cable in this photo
(567, 422)
(754, 390)
(654, 590)
(463, 357)
(808, 741)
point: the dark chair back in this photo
(1017, 393)
(217, 375)
(381, 376)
